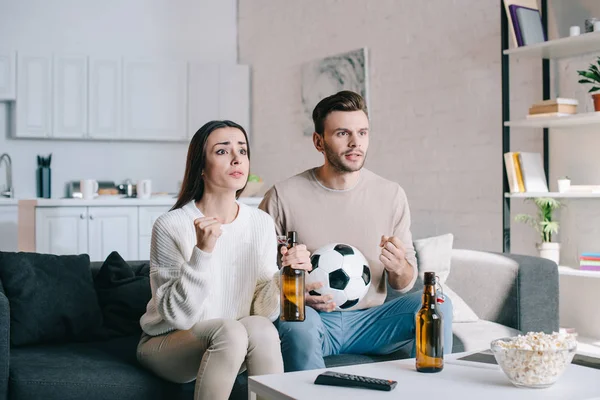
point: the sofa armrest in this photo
(4, 344)
(513, 290)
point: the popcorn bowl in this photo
(535, 360)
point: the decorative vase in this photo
(596, 97)
(549, 251)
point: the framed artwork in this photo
(525, 22)
(327, 76)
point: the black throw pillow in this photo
(123, 293)
(52, 298)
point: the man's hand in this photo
(393, 254)
(319, 303)
(298, 257)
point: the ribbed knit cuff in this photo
(199, 257)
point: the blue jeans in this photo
(377, 330)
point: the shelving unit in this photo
(552, 49)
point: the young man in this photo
(342, 202)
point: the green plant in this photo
(591, 76)
(543, 223)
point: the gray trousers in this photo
(213, 353)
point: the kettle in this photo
(127, 188)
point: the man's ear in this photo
(318, 142)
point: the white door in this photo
(34, 96)
(70, 97)
(147, 217)
(155, 96)
(105, 98)
(8, 228)
(8, 75)
(61, 230)
(234, 94)
(113, 229)
(203, 95)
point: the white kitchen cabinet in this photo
(112, 229)
(234, 94)
(203, 95)
(147, 216)
(155, 97)
(8, 75)
(34, 96)
(8, 228)
(61, 230)
(70, 108)
(105, 98)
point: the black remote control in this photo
(339, 379)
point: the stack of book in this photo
(559, 107)
(525, 172)
(589, 261)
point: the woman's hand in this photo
(208, 230)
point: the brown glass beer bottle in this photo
(292, 288)
(429, 326)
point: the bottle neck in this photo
(429, 296)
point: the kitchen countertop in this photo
(116, 201)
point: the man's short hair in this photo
(345, 100)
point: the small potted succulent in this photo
(545, 225)
(592, 76)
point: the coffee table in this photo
(459, 380)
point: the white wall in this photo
(203, 30)
(435, 100)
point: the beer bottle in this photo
(292, 288)
(429, 326)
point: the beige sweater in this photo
(357, 216)
(239, 278)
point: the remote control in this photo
(339, 379)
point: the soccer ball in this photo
(344, 272)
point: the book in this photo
(520, 181)
(527, 24)
(553, 108)
(547, 115)
(511, 173)
(558, 100)
(532, 169)
(590, 267)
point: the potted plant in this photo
(592, 76)
(545, 226)
(564, 184)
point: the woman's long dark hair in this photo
(192, 187)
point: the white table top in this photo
(456, 381)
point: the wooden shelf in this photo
(556, 122)
(555, 195)
(560, 48)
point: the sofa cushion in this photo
(471, 336)
(93, 370)
(123, 294)
(52, 298)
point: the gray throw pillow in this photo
(52, 298)
(434, 254)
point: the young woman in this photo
(214, 275)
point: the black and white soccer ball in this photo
(344, 272)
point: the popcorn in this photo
(535, 359)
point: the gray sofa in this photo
(508, 293)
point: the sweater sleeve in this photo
(179, 286)
(267, 293)
(402, 232)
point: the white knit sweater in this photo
(239, 278)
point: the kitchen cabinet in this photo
(96, 231)
(155, 97)
(70, 97)
(34, 96)
(147, 217)
(105, 98)
(203, 98)
(234, 94)
(8, 227)
(8, 75)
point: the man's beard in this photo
(337, 162)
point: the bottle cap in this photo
(292, 237)
(429, 278)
